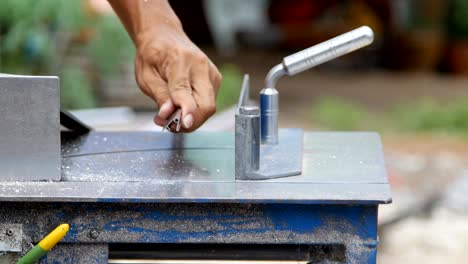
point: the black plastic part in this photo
(72, 123)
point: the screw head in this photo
(9, 232)
(94, 233)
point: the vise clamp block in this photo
(263, 152)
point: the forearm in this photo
(140, 16)
(169, 68)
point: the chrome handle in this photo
(299, 62)
(321, 53)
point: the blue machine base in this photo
(95, 226)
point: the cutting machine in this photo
(259, 193)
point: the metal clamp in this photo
(255, 161)
(247, 141)
(258, 152)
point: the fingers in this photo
(160, 121)
(155, 87)
(166, 110)
(186, 80)
(205, 81)
(204, 92)
(180, 89)
(198, 89)
(215, 77)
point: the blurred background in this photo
(411, 85)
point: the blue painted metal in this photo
(353, 226)
(74, 253)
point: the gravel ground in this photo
(428, 219)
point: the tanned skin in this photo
(169, 67)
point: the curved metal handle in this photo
(299, 62)
(321, 53)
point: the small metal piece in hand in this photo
(175, 118)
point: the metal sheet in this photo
(197, 192)
(139, 156)
(199, 167)
(29, 128)
(283, 159)
(277, 160)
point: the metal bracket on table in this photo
(256, 161)
(11, 237)
(263, 151)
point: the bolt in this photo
(94, 233)
(9, 232)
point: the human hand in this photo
(175, 73)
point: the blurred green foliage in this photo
(424, 115)
(429, 115)
(78, 93)
(37, 36)
(230, 87)
(339, 114)
(457, 19)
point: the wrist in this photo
(157, 24)
(163, 31)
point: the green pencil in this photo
(44, 245)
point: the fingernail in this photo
(164, 109)
(188, 121)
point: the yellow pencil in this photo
(45, 245)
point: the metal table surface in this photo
(338, 168)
